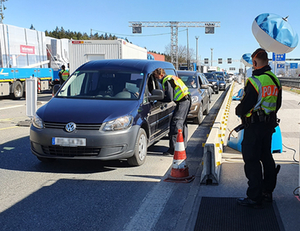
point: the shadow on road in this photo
(16, 155)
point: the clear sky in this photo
(233, 39)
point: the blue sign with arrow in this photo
(280, 65)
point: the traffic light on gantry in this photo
(229, 60)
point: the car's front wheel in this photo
(207, 108)
(199, 118)
(140, 150)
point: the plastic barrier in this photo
(31, 96)
(39, 85)
(239, 95)
(213, 148)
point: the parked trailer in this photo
(23, 54)
(12, 80)
(82, 51)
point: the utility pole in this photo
(137, 28)
(211, 61)
(197, 51)
(187, 48)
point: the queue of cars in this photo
(214, 81)
(112, 109)
(218, 80)
(200, 94)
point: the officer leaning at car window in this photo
(175, 90)
(258, 111)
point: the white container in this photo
(58, 52)
(82, 51)
(21, 47)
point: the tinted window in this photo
(220, 73)
(189, 81)
(221, 78)
(210, 76)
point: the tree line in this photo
(60, 33)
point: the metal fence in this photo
(290, 82)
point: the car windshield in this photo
(108, 85)
(221, 78)
(189, 81)
(210, 76)
(220, 73)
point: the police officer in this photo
(175, 90)
(257, 109)
(63, 74)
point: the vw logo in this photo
(70, 127)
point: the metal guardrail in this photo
(290, 82)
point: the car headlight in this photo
(118, 124)
(213, 83)
(195, 99)
(37, 121)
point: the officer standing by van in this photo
(63, 74)
(175, 90)
(258, 111)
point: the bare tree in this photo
(2, 8)
(182, 53)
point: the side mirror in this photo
(55, 89)
(156, 94)
(205, 86)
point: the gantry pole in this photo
(209, 29)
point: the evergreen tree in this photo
(60, 33)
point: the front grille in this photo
(70, 151)
(78, 126)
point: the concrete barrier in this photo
(213, 148)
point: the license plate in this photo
(68, 142)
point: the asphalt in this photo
(233, 183)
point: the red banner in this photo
(27, 49)
(77, 42)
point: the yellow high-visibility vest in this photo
(267, 92)
(181, 90)
(64, 74)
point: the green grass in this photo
(296, 90)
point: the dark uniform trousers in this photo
(179, 121)
(256, 150)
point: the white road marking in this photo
(151, 208)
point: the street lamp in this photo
(197, 52)
(211, 61)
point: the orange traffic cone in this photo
(180, 171)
